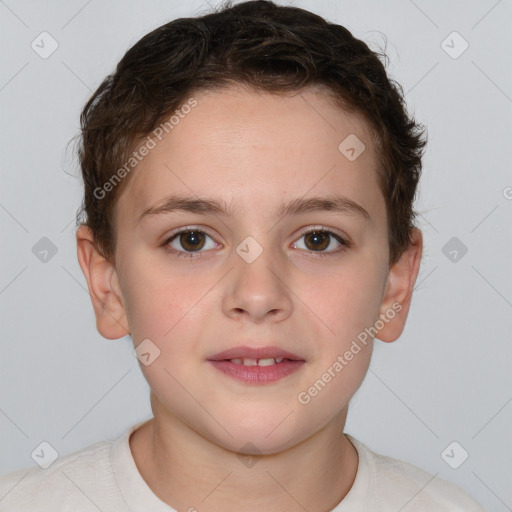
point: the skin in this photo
(255, 150)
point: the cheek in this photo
(332, 388)
(170, 310)
(346, 301)
(154, 301)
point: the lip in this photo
(256, 374)
(255, 353)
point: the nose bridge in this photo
(256, 288)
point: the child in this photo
(248, 220)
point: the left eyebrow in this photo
(334, 203)
(297, 206)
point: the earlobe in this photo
(398, 293)
(102, 281)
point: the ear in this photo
(399, 287)
(104, 288)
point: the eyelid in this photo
(182, 229)
(169, 237)
(342, 239)
(326, 229)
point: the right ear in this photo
(104, 289)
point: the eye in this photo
(318, 240)
(188, 241)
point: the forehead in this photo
(252, 148)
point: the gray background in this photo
(447, 379)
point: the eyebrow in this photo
(203, 206)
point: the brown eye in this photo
(190, 243)
(321, 241)
(317, 240)
(192, 240)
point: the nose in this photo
(257, 291)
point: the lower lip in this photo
(258, 374)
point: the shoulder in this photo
(399, 484)
(69, 482)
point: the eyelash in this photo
(345, 244)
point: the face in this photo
(228, 238)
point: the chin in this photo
(257, 435)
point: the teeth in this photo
(247, 361)
(266, 362)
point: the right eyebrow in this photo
(187, 204)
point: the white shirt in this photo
(104, 477)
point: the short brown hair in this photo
(267, 47)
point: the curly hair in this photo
(270, 48)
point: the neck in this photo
(188, 471)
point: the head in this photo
(278, 141)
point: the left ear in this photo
(399, 287)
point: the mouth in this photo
(256, 365)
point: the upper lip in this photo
(254, 353)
